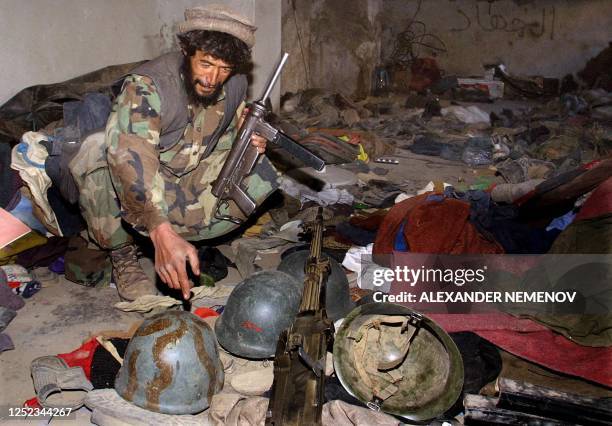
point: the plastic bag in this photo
(478, 152)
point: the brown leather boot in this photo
(131, 280)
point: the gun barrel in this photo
(275, 76)
(298, 390)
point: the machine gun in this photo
(243, 156)
(299, 363)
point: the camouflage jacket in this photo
(138, 167)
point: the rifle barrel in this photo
(275, 76)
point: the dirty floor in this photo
(63, 314)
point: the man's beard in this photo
(190, 88)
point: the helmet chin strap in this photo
(401, 343)
(387, 367)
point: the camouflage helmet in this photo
(398, 361)
(257, 311)
(337, 297)
(171, 365)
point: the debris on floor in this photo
(480, 167)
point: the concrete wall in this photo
(339, 37)
(334, 44)
(544, 37)
(48, 41)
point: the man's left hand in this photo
(259, 142)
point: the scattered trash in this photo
(524, 168)
(471, 114)
(501, 148)
(323, 197)
(386, 160)
(478, 152)
(425, 72)
(596, 73)
(493, 89)
(530, 87)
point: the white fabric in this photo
(369, 274)
(237, 410)
(155, 303)
(324, 198)
(470, 115)
(28, 158)
(427, 188)
(109, 409)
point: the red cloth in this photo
(385, 237)
(443, 227)
(82, 356)
(599, 202)
(431, 227)
(205, 312)
(425, 72)
(534, 342)
(32, 403)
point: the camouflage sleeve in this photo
(132, 135)
(226, 139)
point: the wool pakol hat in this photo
(217, 17)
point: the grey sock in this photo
(8, 299)
(6, 316)
(6, 344)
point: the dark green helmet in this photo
(171, 365)
(337, 297)
(398, 361)
(257, 311)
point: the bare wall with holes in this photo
(50, 41)
(333, 44)
(342, 40)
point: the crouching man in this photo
(165, 142)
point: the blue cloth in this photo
(478, 152)
(435, 197)
(357, 236)
(501, 223)
(562, 222)
(400, 243)
(22, 148)
(58, 266)
(28, 290)
(23, 212)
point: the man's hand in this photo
(171, 252)
(257, 141)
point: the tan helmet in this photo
(398, 361)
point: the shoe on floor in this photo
(131, 280)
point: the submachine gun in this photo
(299, 363)
(243, 156)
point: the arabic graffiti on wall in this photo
(485, 18)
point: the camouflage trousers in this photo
(190, 202)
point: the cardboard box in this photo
(494, 88)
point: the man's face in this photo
(206, 76)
